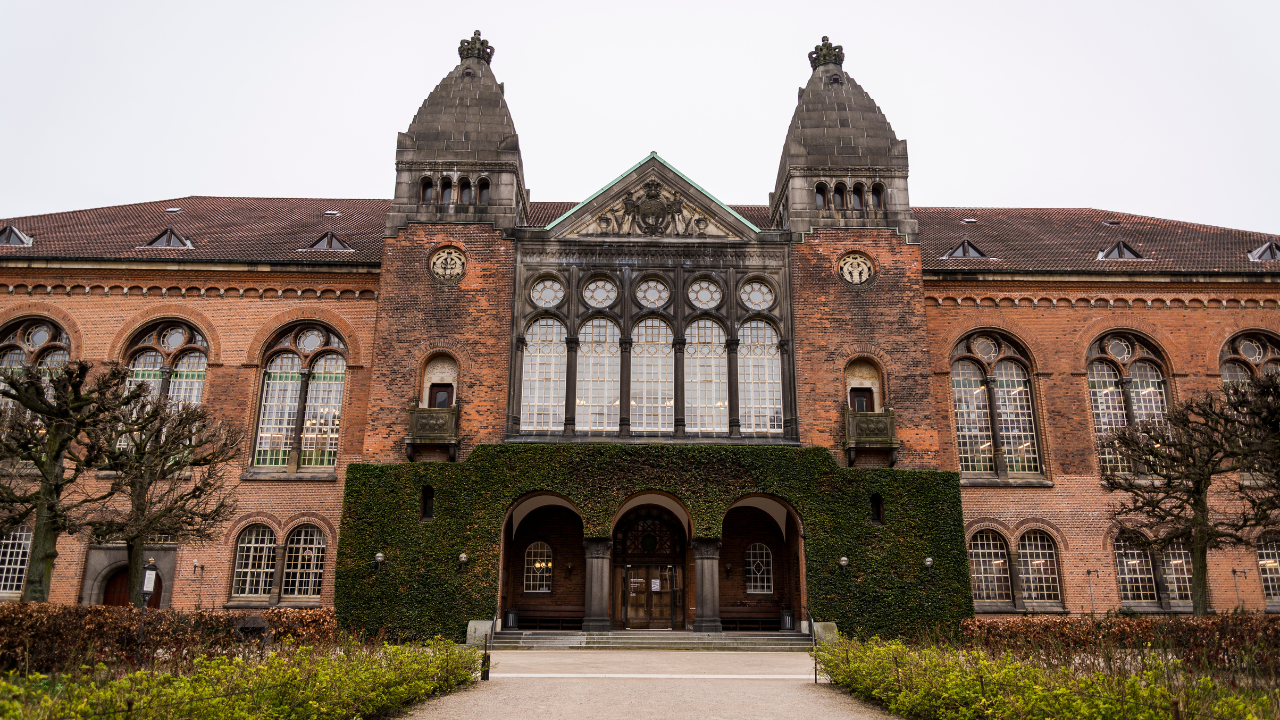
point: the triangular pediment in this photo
(653, 201)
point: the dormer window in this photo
(329, 241)
(965, 251)
(169, 239)
(837, 197)
(855, 197)
(877, 197)
(446, 190)
(11, 235)
(464, 192)
(427, 194)
(1119, 251)
(1267, 253)
(820, 196)
(482, 189)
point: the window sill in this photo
(1013, 480)
(300, 604)
(988, 606)
(1145, 608)
(1273, 608)
(284, 476)
(246, 604)
(1045, 607)
(652, 440)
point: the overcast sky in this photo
(1160, 108)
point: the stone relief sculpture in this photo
(653, 211)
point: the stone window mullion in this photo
(517, 388)
(570, 385)
(678, 390)
(993, 419)
(735, 420)
(295, 452)
(624, 387)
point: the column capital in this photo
(599, 548)
(571, 343)
(624, 344)
(678, 344)
(707, 548)
(731, 345)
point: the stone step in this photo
(651, 640)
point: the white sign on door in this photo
(655, 585)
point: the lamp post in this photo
(1089, 574)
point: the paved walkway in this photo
(638, 685)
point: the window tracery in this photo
(759, 379)
(756, 295)
(1134, 572)
(170, 357)
(599, 374)
(537, 568)
(1244, 356)
(600, 293)
(759, 569)
(547, 292)
(1126, 385)
(992, 398)
(303, 562)
(652, 377)
(302, 393)
(704, 294)
(255, 567)
(1038, 567)
(989, 567)
(652, 293)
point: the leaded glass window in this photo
(1234, 372)
(1269, 566)
(52, 360)
(704, 294)
(1133, 572)
(706, 386)
(989, 567)
(600, 293)
(973, 418)
(1038, 567)
(543, 386)
(1016, 423)
(756, 295)
(537, 568)
(547, 293)
(281, 385)
(13, 358)
(255, 568)
(1107, 401)
(146, 367)
(323, 416)
(15, 553)
(599, 373)
(1175, 563)
(652, 293)
(186, 385)
(759, 379)
(303, 562)
(1148, 392)
(759, 568)
(653, 372)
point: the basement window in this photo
(169, 238)
(329, 241)
(11, 235)
(1119, 251)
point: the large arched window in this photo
(1126, 385)
(34, 340)
(1134, 572)
(706, 386)
(759, 379)
(255, 569)
(1038, 567)
(759, 569)
(989, 371)
(989, 567)
(542, 388)
(599, 373)
(537, 568)
(302, 391)
(1253, 353)
(15, 553)
(653, 373)
(170, 357)
(303, 562)
(1175, 565)
(1269, 565)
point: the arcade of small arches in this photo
(841, 196)
(441, 190)
(649, 573)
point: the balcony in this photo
(870, 431)
(433, 426)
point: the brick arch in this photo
(172, 311)
(1022, 335)
(310, 518)
(238, 525)
(864, 351)
(1098, 327)
(987, 523)
(1214, 342)
(355, 348)
(53, 312)
(428, 349)
(1038, 523)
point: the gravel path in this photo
(637, 685)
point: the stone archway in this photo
(761, 564)
(650, 546)
(544, 565)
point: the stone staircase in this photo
(651, 640)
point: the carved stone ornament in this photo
(824, 54)
(653, 210)
(856, 268)
(448, 264)
(477, 48)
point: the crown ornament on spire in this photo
(825, 54)
(477, 48)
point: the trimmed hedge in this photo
(423, 590)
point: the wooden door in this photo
(650, 596)
(860, 400)
(117, 590)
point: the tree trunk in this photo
(1199, 575)
(137, 560)
(44, 550)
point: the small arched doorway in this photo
(116, 591)
(545, 565)
(649, 549)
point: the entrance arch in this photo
(650, 548)
(116, 591)
(544, 564)
(762, 566)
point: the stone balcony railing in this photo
(433, 426)
(870, 431)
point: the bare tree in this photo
(1256, 405)
(170, 478)
(1181, 481)
(52, 433)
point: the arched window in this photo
(599, 372)
(1013, 413)
(464, 192)
(170, 357)
(255, 569)
(302, 391)
(1125, 386)
(862, 382)
(855, 197)
(1244, 356)
(537, 568)
(1269, 565)
(1133, 572)
(446, 190)
(759, 569)
(759, 379)
(989, 567)
(973, 417)
(542, 388)
(991, 393)
(1175, 564)
(1038, 567)
(440, 382)
(820, 196)
(1235, 372)
(837, 197)
(653, 372)
(35, 340)
(877, 197)
(706, 386)
(303, 562)
(427, 193)
(15, 553)
(482, 189)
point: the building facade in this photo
(993, 343)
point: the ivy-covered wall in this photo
(423, 590)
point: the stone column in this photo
(678, 346)
(735, 417)
(624, 388)
(277, 579)
(517, 387)
(706, 558)
(997, 445)
(570, 385)
(596, 617)
(1126, 392)
(790, 429)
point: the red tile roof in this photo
(273, 230)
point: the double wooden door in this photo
(652, 597)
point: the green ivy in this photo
(422, 590)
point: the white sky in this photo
(1160, 108)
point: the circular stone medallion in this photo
(856, 268)
(448, 264)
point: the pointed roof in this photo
(653, 164)
(169, 238)
(329, 242)
(1119, 251)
